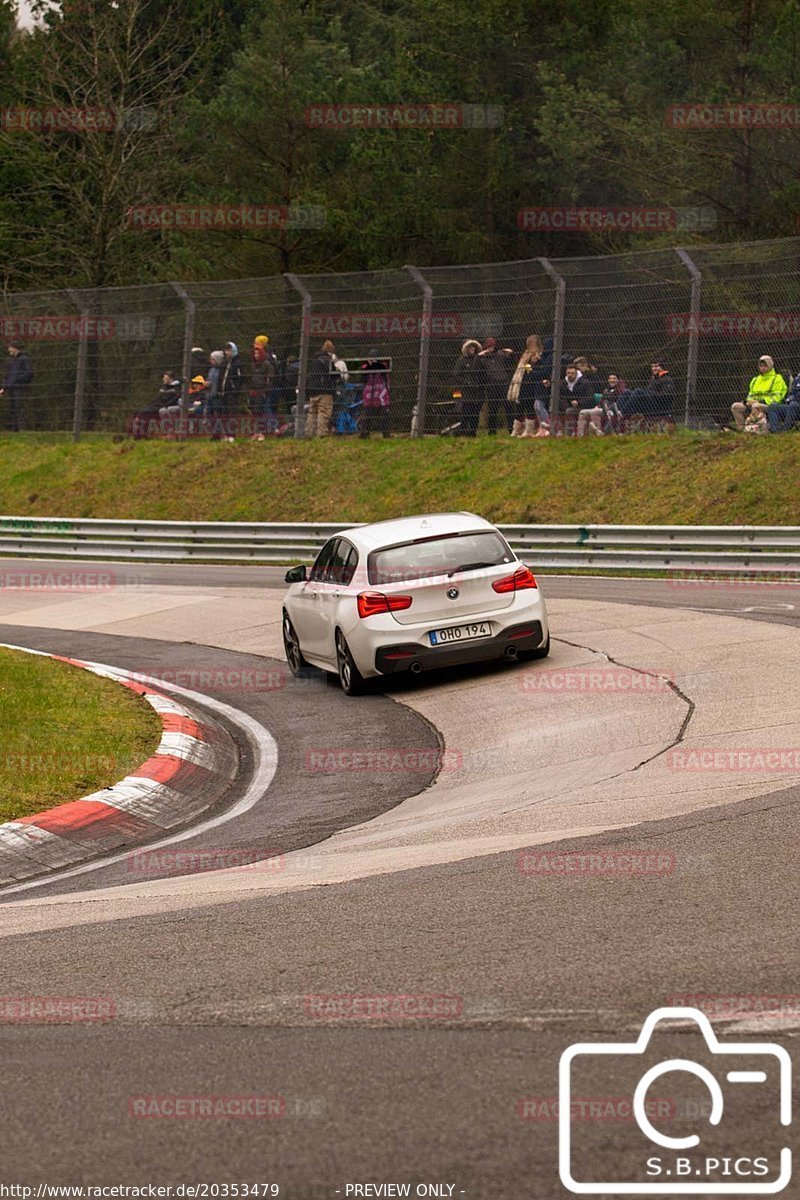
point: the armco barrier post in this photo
(80, 373)
(188, 341)
(302, 366)
(558, 337)
(418, 420)
(694, 334)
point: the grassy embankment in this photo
(684, 478)
(66, 733)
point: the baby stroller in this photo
(346, 408)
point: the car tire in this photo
(291, 647)
(350, 678)
(540, 652)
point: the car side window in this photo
(319, 570)
(349, 568)
(335, 569)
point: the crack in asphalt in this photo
(687, 700)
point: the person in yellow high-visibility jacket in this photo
(767, 387)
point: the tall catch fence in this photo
(708, 311)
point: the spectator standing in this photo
(375, 398)
(321, 388)
(768, 387)
(199, 361)
(498, 368)
(526, 384)
(263, 368)
(214, 402)
(17, 378)
(231, 387)
(787, 414)
(469, 380)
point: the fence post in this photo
(558, 337)
(694, 333)
(418, 420)
(188, 341)
(80, 374)
(302, 366)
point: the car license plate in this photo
(460, 633)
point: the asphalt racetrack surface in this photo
(253, 998)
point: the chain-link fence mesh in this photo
(707, 312)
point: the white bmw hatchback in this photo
(410, 595)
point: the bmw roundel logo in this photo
(453, 593)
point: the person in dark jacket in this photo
(577, 394)
(469, 383)
(498, 366)
(17, 378)
(656, 399)
(143, 421)
(232, 384)
(321, 388)
(263, 366)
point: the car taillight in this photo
(372, 603)
(522, 578)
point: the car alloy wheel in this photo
(291, 647)
(349, 675)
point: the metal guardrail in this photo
(733, 548)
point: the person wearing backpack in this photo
(17, 379)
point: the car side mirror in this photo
(296, 575)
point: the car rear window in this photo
(428, 557)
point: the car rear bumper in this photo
(527, 635)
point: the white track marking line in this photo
(265, 756)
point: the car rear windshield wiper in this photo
(476, 566)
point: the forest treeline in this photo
(640, 105)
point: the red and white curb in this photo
(191, 770)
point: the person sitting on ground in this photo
(578, 398)
(375, 397)
(785, 415)
(766, 388)
(469, 379)
(655, 400)
(612, 417)
(591, 374)
(198, 390)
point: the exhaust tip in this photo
(416, 667)
(511, 652)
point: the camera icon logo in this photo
(673, 1165)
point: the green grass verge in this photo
(66, 733)
(683, 478)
